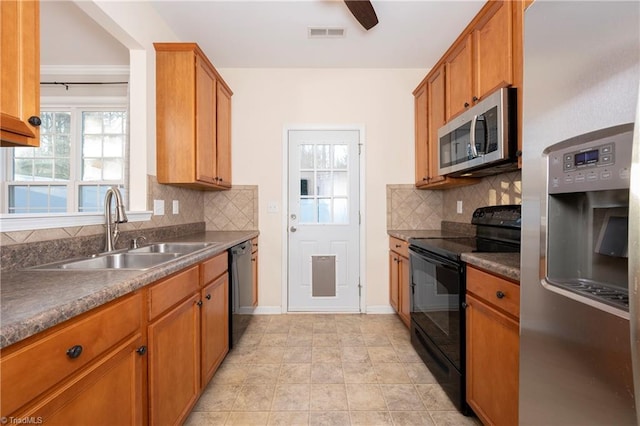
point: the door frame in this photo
(285, 206)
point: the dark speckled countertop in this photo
(504, 264)
(33, 300)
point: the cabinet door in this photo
(493, 42)
(394, 278)
(459, 69)
(20, 84)
(223, 136)
(205, 122)
(109, 392)
(174, 363)
(422, 144)
(492, 364)
(215, 326)
(436, 118)
(404, 287)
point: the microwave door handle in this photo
(485, 133)
(472, 144)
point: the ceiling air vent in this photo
(321, 32)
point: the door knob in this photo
(293, 229)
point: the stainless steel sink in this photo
(181, 248)
(120, 261)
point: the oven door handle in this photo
(431, 258)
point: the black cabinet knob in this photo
(141, 350)
(464, 305)
(199, 303)
(518, 153)
(74, 351)
(34, 120)
(475, 98)
(208, 296)
(499, 294)
(466, 104)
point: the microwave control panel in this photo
(579, 165)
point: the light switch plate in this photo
(176, 206)
(459, 207)
(272, 207)
(158, 207)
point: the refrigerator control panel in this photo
(591, 162)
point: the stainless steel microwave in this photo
(482, 140)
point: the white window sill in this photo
(24, 222)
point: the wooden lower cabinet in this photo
(492, 348)
(399, 288)
(110, 392)
(254, 266)
(215, 326)
(174, 363)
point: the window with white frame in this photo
(81, 154)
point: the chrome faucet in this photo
(112, 234)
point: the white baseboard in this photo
(380, 309)
(262, 310)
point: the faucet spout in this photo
(111, 232)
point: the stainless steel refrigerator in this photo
(579, 346)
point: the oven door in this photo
(437, 294)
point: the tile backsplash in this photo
(411, 208)
(495, 190)
(232, 210)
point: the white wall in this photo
(265, 100)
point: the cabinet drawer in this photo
(167, 293)
(38, 366)
(501, 293)
(214, 267)
(399, 246)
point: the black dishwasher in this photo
(241, 290)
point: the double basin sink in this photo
(138, 259)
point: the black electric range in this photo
(438, 289)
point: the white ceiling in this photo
(265, 33)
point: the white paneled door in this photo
(323, 221)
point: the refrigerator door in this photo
(634, 259)
(581, 67)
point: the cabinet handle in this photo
(253, 259)
(475, 98)
(199, 303)
(208, 296)
(466, 104)
(74, 351)
(34, 120)
(464, 305)
(141, 350)
(499, 294)
(398, 245)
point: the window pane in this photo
(307, 210)
(92, 146)
(18, 198)
(63, 169)
(113, 146)
(58, 199)
(62, 146)
(340, 210)
(92, 169)
(63, 122)
(307, 185)
(323, 156)
(92, 123)
(324, 183)
(340, 183)
(324, 210)
(46, 146)
(91, 198)
(114, 122)
(112, 169)
(22, 169)
(306, 156)
(47, 119)
(43, 169)
(23, 152)
(340, 156)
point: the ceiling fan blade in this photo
(363, 11)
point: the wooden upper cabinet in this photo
(20, 84)
(421, 132)
(493, 47)
(436, 118)
(223, 119)
(459, 69)
(193, 119)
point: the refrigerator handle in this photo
(634, 259)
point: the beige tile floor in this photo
(322, 369)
